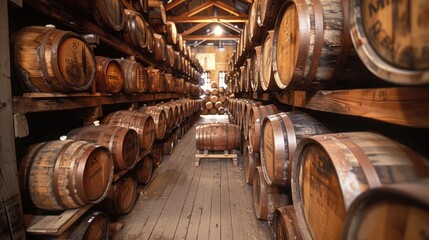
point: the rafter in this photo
(209, 19)
(173, 4)
(194, 28)
(227, 8)
(198, 9)
(230, 26)
(212, 37)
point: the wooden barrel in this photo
(213, 111)
(177, 61)
(141, 6)
(109, 76)
(93, 226)
(159, 118)
(391, 39)
(134, 31)
(249, 74)
(160, 50)
(122, 142)
(156, 80)
(156, 15)
(188, 88)
(246, 116)
(266, 198)
(250, 161)
(330, 171)
(389, 212)
(214, 84)
(170, 118)
(172, 111)
(218, 104)
(214, 99)
(179, 44)
(242, 79)
(256, 117)
(150, 39)
(170, 58)
(171, 33)
(221, 90)
(255, 65)
(51, 60)
(254, 33)
(268, 11)
(59, 175)
(180, 85)
(167, 146)
(208, 105)
(280, 135)
(221, 111)
(217, 136)
(156, 154)
(215, 91)
(315, 50)
(136, 77)
(170, 83)
(142, 123)
(268, 82)
(122, 197)
(144, 170)
(285, 224)
(207, 92)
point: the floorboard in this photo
(182, 201)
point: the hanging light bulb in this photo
(218, 31)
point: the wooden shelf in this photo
(118, 175)
(53, 223)
(44, 102)
(403, 106)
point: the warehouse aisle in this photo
(211, 201)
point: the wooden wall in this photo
(222, 58)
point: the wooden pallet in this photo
(216, 154)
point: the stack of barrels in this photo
(66, 62)
(215, 100)
(103, 164)
(297, 49)
(311, 182)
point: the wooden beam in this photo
(212, 37)
(173, 4)
(227, 8)
(209, 19)
(198, 9)
(232, 27)
(194, 28)
(12, 226)
(403, 106)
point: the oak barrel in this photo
(221, 110)
(136, 77)
(170, 114)
(217, 136)
(246, 116)
(179, 44)
(122, 142)
(177, 61)
(209, 105)
(170, 59)
(280, 134)
(150, 39)
(52, 60)
(159, 118)
(142, 123)
(268, 83)
(254, 33)
(144, 170)
(141, 6)
(93, 226)
(329, 171)
(160, 49)
(285, 224)
(400, 211)
(171, 33)
(256, 117)
(60, 175)
(156, 15)
(109, 76)
(391, 38)
(213, 111)
(175, 111)
(167, 146)
(122, 197)
(214, 84)
(180, 85)
(255, 65)
(170, 83)
(156, 80)
(134, 31)
(266, 198)
(309, 51)
(268, 11)
(250, 161)
(156, 154)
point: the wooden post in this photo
(10, 199)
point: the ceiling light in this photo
(218, 30)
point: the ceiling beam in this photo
(194, 28)
(198, 9)
(227, 8)
(209, 19)
(232, 27)
(173, 4)
(212, 37)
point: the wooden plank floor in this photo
(211, 201)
